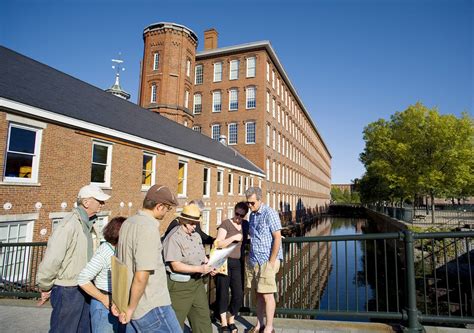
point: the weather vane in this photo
(118, 65)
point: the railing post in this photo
(412, 312)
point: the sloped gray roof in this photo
(29, 82)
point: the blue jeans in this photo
(70, 310)
(102, 321)
(160, 319)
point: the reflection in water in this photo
(344, 275)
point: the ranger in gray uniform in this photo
(185, 260)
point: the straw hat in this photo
(190, 214)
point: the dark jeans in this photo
(70, 310)
(234, 281)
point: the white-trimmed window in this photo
(153, 93)
(197, 128)
(14, 260)
(156, 61)
(268, 198)
(251, 101)
(148, 170)
(278, 113)
(216, 101)
(273, 79)
(268, 102)
(268, 135)
(250, 132)
(205, 221)
(241, 185)
(101, 163)
(273, 107)
(232, 133)
(230, 184)
(251, 62)
(273, 171)
(217, 71)
(22, 155)
(220, 182)
(234, 70)
(233, 99)
(246, 183)
(197, 105)
(186, 99)
(198, 74)
(206, 183)
(188, 67)
(182, 177)
(230, 212)
(268, 72)
(279, 142)
(268, 168)
(278, 86)
(274, 139)
(216, 131)
(218, 216)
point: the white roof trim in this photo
(268, 46)
(57, 118)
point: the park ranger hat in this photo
(190, 214)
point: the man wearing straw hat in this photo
(186, 264)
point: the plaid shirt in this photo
(263, 223)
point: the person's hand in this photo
(45, 295)
(272, 264)
(204, 269)
(125, 317)
(114, 310)
(213, 272)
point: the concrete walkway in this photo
(25, 316)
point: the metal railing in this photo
(18, 266)
(406, 277)
(447, 216)
(386, 276)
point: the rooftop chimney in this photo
(210, 39)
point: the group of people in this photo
(166, 275)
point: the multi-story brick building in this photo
(242, 94)
(58, 133)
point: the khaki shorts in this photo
(262, 277)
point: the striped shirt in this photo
(263, 223)
(98, 268)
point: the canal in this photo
(343, 275)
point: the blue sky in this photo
(352, 62)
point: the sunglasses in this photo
(251, 203)
(240, 215)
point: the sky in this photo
(352, 62)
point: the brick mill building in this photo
(241, 95)
(58, 133)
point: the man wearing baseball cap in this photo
(139, 248)
(69, 250)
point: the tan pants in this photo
(262, 277)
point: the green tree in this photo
(420, 152)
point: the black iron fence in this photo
(18, 265)
(403, 277)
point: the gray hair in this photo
(197, 202)
(254, 190)
(80, 201)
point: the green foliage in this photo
(418, 152)
(340, 196)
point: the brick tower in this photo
(166, 84)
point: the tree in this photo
(420, 152)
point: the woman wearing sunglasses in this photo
(232, 230)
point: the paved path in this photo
(23, 316)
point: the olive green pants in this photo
(189, 299)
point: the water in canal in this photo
(352, 275)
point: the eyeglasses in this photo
(240, 215)
(251, 203)
(168, 207)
